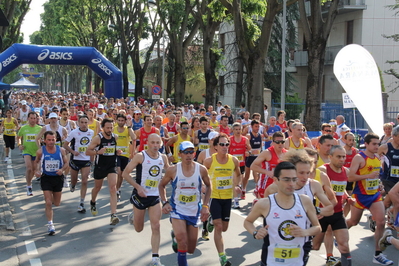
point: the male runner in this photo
(175, 142)
(149, 165)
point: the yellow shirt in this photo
(123, 141)
(176, 147)
(222, 178)
(368, 186)
(93, 126)
(9, 127)
(292, 145)
(214, 125)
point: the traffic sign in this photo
(156, 97)
(58, 84)
(156, 90)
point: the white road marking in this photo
(35, 262)
(31, 247)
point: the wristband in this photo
(205, 206)
(164, 203)
(170, 154)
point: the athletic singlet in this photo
(172, 131)
(279, 246)
(222, 178)
(338, 184)
(306, 190)
(51, 162)
(238, 149)
(67, 126)
(59, 134)
(203, 139)
(274, 161)
(137, 125)
(102, 116)
(123, 141)
(214, 125)
(79, 141)
(143, 138)
(349, 157)
(108, 158)
(186, 192)
(293, 146)
(176, 147)
(149, 173)
(391, 164)
(93, 126)
(320, 162)
(224, 130)
(256, 143)
(368, 186)
(9, 127)
(283, 126)
(23, 116)
(317, 177)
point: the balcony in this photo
(301, 57)
(344, 6)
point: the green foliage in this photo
(294, 106)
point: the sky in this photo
(32, 21)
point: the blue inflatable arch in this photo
(19, 54)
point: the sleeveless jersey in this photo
(58, 132)
(143, 138)
(149, 173)
(256, 143)
(306, 190)
(224, 130)
(93, 126)
(123, 141)
(172, 130)
(67, 126)
(23, 116)
(317, 177)
(186, 192)
(9, 127)
(293, 146)
(214, 125)
(74, 117)
(237, 149)
(51, 162)
(320, 162)
(391, 164)
(137, 125)
(338, 184)
(368, 186)
(283, 126)
(79, 141)
(222, 178)
(108, 159)
(279, 246)
(349, 158)
(176, 147)
(203, 140)
(270, 165)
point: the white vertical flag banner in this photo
(356, 70)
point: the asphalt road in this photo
(82, 239)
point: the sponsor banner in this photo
(356, 70)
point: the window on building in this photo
(221, 85)
(304, 44)
(222, 41)
(349, 32)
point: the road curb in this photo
(6, 219)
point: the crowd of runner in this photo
(304, 187)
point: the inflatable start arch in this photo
(19, 54)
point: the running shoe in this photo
(174, 243)
(50, 229)
(382, 260)
(114, 219)
(72, 188)
(236, 205)
(130, 218)
(81, 208)
(223, 261)
(242, 195)
(156, 262)
(37, 179)
(333, 261)
(5, 159)
(383, 243)
(209, 225)
(371, 223)
(66, 184)
(205, 235)
(29, 191)
(93, 208)
(118, 196)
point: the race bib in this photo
(124, 149)
(338, 187)
(82, 149)
(394, 171)
(151, 183)
(109, 151)
(203, 147)
(145, 147)
(51, 165)
(240, 157)
(372, 184)
(9, 131)
(284, 252)
(187, 199)
(171, 134)
(224, 182)
(30, 137)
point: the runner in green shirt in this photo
(27, 144)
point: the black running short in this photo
(388, 184)
(52, 183)
(9, 141)
(101, 172)
(122, 161)
(220, 209)
(77, 165)
(249, 160)
(337, 221)
(142, 203)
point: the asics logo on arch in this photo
(54, 55)
(102, 66)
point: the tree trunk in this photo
(316, 56)
(255, 83)
(239, 83)
(210, 61)
(180, 76)
(88, 80)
